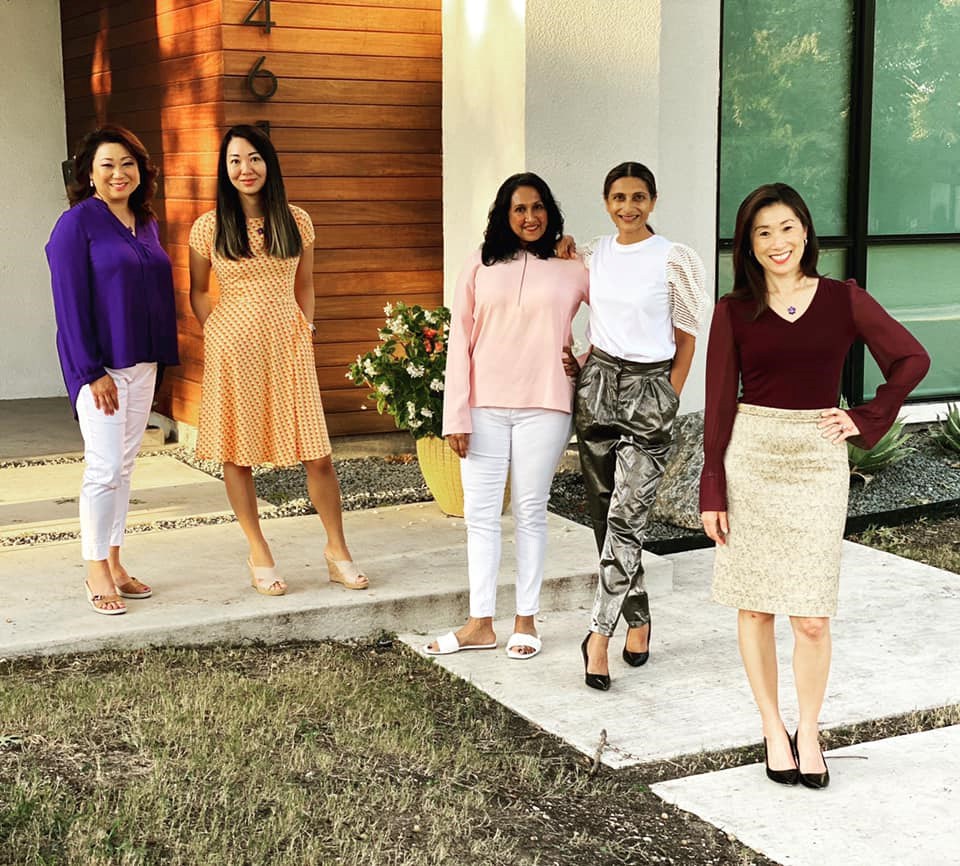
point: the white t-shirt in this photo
(639, 293)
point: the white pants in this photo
(529, 443)
(110, 445)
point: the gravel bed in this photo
(926, 476)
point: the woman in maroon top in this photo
(773, 493)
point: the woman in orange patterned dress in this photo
(260, 401)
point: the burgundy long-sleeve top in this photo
(797, 365)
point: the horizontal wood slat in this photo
(282, 39)
(338, 17)
(301, 190)
(331, 91)
(294, 64)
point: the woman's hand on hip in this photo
(837, 426)
(715, 525)
(459, 442)
(104, 391)
(571, 365)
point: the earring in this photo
(91, 182)
(804, 241)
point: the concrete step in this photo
(414, 556)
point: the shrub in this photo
(892, 448)
(947, 432)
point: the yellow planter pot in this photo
(441, 470)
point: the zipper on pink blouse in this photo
(523, 273)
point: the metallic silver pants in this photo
(624, 415)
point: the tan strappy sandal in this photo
(346, 572)
(264, 579)
(97, 602)
(134, 588)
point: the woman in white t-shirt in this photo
(646, 300)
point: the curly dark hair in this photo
(80, 187)
(749, 281)
(500, 244)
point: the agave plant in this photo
(947, 433)
(892, 448)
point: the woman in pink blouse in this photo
(508, 401)
(773, 493)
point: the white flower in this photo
(378, 352)
(348, 376)
(411, 409)
(427, 413)
(415, 371)
(430, 317)
(384, 388)
(388, 310)
(368, 368)
(414, 423)
(436, 385)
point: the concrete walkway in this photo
(891, 802)
(693, 696)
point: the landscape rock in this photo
(677, 499)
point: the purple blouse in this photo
(112, 295)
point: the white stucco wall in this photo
(32, 146)
(483, 118)
(688, 138)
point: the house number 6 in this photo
(257, 71)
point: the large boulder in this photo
(677, 499)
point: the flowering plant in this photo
(406, 370)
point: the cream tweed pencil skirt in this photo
(787, 492)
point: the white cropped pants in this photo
(110, 445)
(528, 443)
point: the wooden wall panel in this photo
(356, 118)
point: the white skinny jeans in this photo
(529, 443)
(110, 445)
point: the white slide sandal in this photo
(447, 644)
(518, 639)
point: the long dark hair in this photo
(281, 237)
(749, 282)
(500, 244)
(80, 188)
(631, 169)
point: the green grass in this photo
(321, 754)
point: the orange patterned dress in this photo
(260, 401)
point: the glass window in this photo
(785, 104)
(920, 286)
(915, 141)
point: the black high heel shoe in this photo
(595, 681)
(636, 660)
(810, 780)
(781, 777)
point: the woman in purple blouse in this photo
(116, 322)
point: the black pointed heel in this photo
(781, 777)
(595, 681)
(636, 660)
(810, 780)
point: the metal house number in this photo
(261, 83)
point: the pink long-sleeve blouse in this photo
(797, 365)
(509, 324)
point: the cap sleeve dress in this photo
(260, 400)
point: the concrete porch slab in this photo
(891, 801)
(895, 650)
(43, 498)
(414, 556)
